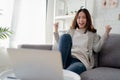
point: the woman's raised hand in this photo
(108, 29)
(56, 27)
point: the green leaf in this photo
(5, 32)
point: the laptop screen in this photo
(29, 64)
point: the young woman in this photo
(77, 46)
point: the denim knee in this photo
(66, 37)
(65, 45)
(65, 42)
(77, 67)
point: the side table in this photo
(69, 75)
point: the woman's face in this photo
(81, 20)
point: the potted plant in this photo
(5, 32)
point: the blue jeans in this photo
(69, 63)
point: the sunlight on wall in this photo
(106, 16)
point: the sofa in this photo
(107, 61)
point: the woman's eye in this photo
(78, 17)
(84, 17)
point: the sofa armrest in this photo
(41, 46)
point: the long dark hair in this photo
(88, 26)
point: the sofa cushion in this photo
(102, 73)
(110, 53)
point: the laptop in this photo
(30, 64)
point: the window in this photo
(28, 22)
(6, 9)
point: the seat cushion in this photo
(101, 73)
(110, 53)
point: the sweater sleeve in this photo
(56, 36)
(98, 42)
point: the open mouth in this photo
(81, 24)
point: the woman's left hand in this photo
(108, 29)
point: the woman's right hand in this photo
(108, 29)
(56, 27)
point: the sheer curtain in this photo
(28, 22)
(6, 9)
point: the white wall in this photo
(90, 6)
(105, 16)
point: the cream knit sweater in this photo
(95, 43)
(79, 48)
